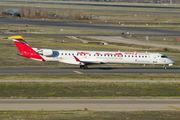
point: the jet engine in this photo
(45, 52)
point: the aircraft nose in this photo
(171, 61)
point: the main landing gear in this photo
(83, 66)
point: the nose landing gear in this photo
(164, 67)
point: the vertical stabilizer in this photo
(24, 48)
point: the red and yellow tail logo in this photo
(24, 48)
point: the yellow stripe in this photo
(174, 107)
(78, 72)
(19, 37)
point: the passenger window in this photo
(81, 54)
(145, 56)
(132, 56)
(62, 54)
(136, 56)
(69, 53)
(121, 55)
(142, 56)
(73, 54)
(139, 56)
(128, 55)
(114, 55)
(89, 54)
(65, 53)
(125, 56)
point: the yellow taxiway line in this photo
(174, 107)
(78, 72)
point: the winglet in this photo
(77, 59)
(16, 37)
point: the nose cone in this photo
(171, 61)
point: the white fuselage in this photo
(103, 57)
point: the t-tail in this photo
(24, 49)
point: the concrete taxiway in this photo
(91, 70)
(90, 104)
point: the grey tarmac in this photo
(101, 27)
(90, 70)
(90, 104)
(102, 10)
(87, 4)
(119, 39)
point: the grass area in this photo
(89, 90)
(89, 115)
(89, 77)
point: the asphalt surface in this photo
(101, 27)
(87, 4)
(119, 39)
(90, 104)
(97, 10)
(91, 70)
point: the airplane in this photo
(85, 58)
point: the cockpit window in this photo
(163, 56)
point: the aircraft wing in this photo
(88, 62)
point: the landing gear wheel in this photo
(83, 66)
(164, 67)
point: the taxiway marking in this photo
(78, 72)
(174, 107)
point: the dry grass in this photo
(89, 115)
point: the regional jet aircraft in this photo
(84, 58)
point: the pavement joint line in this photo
(78, 72)
(174, 107)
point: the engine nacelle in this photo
(45, 52)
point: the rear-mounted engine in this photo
(45, 52)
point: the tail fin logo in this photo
(24, 49)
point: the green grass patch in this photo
(89, 90)
(89, 115)
(89, 77)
